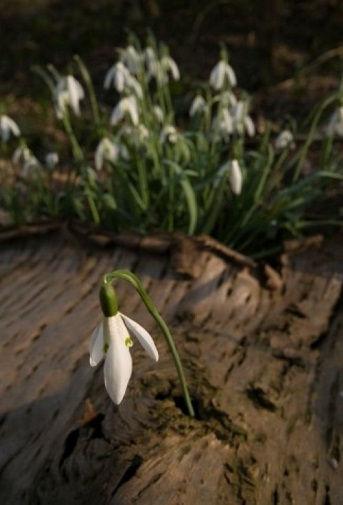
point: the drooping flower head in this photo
(105, 151)
(221, 74)
(284, 140)
(127, 107)
(111, 341)
(68, 93)
(8, 127)
(51, 160)
(235, 177)
(198, 105)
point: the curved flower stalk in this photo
(221, 74)
(8, 128)
(111, 339)
(68, 93)
(127, 107)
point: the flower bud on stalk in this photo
(108, 300)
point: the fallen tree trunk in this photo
(262, 352)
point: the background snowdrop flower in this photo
(335, 126)
(51, 160)
(235, 177)
(69, 92)
(132, 59)
(198, 105)
(283, 140)
(151, 62)
(242, 120)
(111, 340)
(105, 151)
(23, 155)
(169, 134)
(116, 76)
(119, 76)
(126, 107)
(158, 113)
(8, 127)
(223, 124)
(133, 85)
(220, 73)
(249, 126)
(169, 66)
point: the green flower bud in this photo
(108, 300)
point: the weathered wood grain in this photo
(263, 352)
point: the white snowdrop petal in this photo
(142, 336)
(118, 362)
(96, 348)
(73, 94)
(249, 126)
(231, 75)
(109, 77)
(235, 177)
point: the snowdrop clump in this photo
(140, 164)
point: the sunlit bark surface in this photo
(263, 353)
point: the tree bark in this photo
(263, 353)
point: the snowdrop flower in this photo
(105, 151)
(120, 77)
(116, 76)
(284, 139)
(8, 127)
(220, 73)
(158, 113)
(223, 124)
(169, 134)
(228, 98)
(51, 160)
(68, 93)
(23, 155)
(126, 107)
(198, 105)
(143, 132)
(249, 126)
(133, 85)
(169, 65)
(242, 120)
(151, 62)
(131, 58)
(111, 340)
(235, 177)
(335, 126)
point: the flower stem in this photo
(137, 284)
